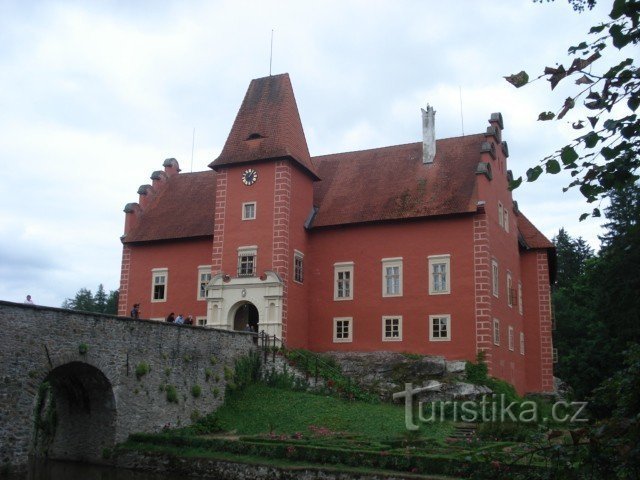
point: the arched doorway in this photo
(75, 413)
(246, 314)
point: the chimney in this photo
(428, 134)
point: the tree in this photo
(606, 158)
(101, 302)
(572, 255)
(100, 299)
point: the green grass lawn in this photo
(259, 409)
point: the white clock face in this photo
(249, 176)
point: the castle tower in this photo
(264, 194)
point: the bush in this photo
(141, 370)
(196, 391)
(172, 394)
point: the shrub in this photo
(172, 394)
(207, 374)
(196, 391)
(141, 370)
(83, 348)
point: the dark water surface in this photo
(56, 470)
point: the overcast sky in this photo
(95, 95)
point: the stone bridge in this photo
(74, 384)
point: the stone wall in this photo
(109, 376)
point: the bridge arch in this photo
(75, 413)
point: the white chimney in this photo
(428, 134)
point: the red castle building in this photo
(410, 248)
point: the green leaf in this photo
(534, 173)
(544, 116)
(591, 139)
(618, 9)
(583, 216)
(552, 166)
(618, 37)
(634, 102)
(518, 79)
(578, 125)
(593, 121)
(608, 153)
(568, 155)
(596, 212)
(515, 183)
(597, 29)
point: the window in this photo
(343, 281)
(510, 291)
(439, 328)
(439, 274)
(342, 329)
(392, 329)
(500, 214)
(159, 284)
(506, 220)
(521, 343)
(298, 266)
(511, 339)
(249, 211)
(555, 355)
(204, 276)
(392, 277)
(520, 298)
(495, 278)
(496, 331)
(247, 261)
(202, 321)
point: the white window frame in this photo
(349, 337)
(391, 263)
(521, 343)
(298, 255)
(200, 321)
(341, 267)
(495, 278)
(496, 332)
(248, 251)
(511, 337)
(155, 273)
(438, 317)
(203, 270)
(510, 290)
(390, 318)
(244, 210)
(444, 259)
(520, 306)
(500, 215)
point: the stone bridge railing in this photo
(73, 384)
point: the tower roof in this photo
(267, 126)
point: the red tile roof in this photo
(531, 236)
(267, 126)
(392, 182)
(184, 208)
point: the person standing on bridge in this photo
(135, 311)
(28, 300)
(171, 318)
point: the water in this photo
(58, 470)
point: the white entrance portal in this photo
(228, 297)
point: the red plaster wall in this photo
(182, 258)
(297, 302)
(414, 242)
(238, 232)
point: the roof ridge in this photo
(394, 146)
